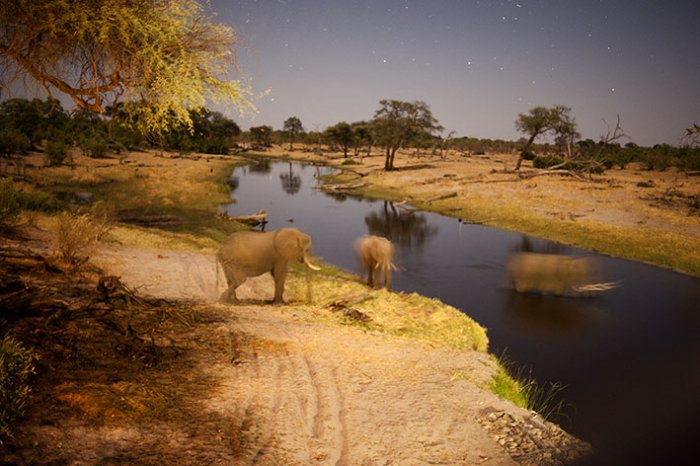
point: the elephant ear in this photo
(289, 243)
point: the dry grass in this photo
(401, 314)
(612, 214)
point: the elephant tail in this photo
(216, 272)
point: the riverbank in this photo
(149, 369)
(648, 216)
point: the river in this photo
(629, 359)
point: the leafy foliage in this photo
(261, 135)
(16, 367)
(292, 126)
(161, 57)
(540, 121)
(343, 135)
(78, 231)
(9, 202)
(56, 152)
(398, 123)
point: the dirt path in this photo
(288, 390)
(253, 384)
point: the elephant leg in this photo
(376, 277)
(370, 277)
(234, 279)
(279, 273)
(387, 277)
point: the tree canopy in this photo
(292, 126)
(161, 57)
(397, 123)
(541, 120)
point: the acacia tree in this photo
(398, 123)
(363, 136)
(542, 120)
(292, 126)
(261, 134)
(161, 57)
(343, 135)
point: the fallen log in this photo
(441, 197)
(339, 188)
(254, 219)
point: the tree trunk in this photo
(522, 152)
(388, 160)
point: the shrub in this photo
(9, 202)
(16, 366)
(13, 141)
(94, 146)
(529, 155)
(78, 231)
(56, 152)
(546, 161)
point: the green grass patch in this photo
(401, 314)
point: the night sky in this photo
(477, 64)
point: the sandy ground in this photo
(267, 385)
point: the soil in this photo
(147, 368)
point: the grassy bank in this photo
(654, 247)
(677, 250)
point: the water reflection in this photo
(262, 166)
(406, 228)
(291, 183)
(233, 183)
(552, 316)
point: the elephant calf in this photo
(377, 257)
(251, 253)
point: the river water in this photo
(629, 359)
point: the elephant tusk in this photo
(310, 265)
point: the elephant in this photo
(251, 253)
(550, 273)
(377, 255)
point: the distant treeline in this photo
(27, 125)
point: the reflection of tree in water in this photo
(407, 229)
(233, 182)
(260, 166)
(542, 247)
(291, 183)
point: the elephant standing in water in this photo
(377, 257)
(551, 273)
(251, 253)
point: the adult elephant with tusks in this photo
(251, 253)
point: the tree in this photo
(398, 123)
(261, 134)
(343, 135)
(542, 120)
(363, 135)
(162, 57)
(292, 126)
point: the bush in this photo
(546, 161)
(94, 146)
(9, 202)
(13, 141)
(16, 366)
(56, 152)
(78, 231)
(529, 155)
